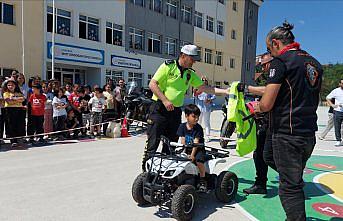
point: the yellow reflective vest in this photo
(246, 130)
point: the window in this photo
(136, 39)
(199, 50)
(232, 63)
(170, 46)
(221, 1)
(114, 75)
(218, 84)
(138, 2)
(183, 43)
(88, 28)
(154, 43)
(209, 23)
(136, 77)
(248, 66)
(63, 21)
(186, 13)
(219, 58)
(6, 14)
(171, 8)
(6, 72)
(208, 56)
(251, 13)
(233, 34)
(114, 34)
(156, 5)
(234, 6)
(220, 28)
(198, 19)
(249, 40)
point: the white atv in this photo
(174, 177)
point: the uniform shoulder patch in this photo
(311, 73)
(169, 61)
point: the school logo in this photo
(311, 74)
(272, 73)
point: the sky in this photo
(318, 26)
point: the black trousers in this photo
(59, 123)
(161, 122)
(37, 125)
(260, 165)
(29, 126)
(2, 122)
(338, 120)
(15, 122)
(288, 154)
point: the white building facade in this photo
(90, 44)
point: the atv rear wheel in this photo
(183, 202)
(137, 189)
(227, 186)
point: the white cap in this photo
(191, 50)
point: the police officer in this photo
(260, 185)
(169, 85)
(292, 97)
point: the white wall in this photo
(105, 10)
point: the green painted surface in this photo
(268, 207)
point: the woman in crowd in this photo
(204, 102)
(47, 90)
(15, 112)
(24, 88)
(109, 102)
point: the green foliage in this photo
(331, 77)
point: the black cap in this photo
(38, 86)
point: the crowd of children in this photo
(41, 107)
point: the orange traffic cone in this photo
(124, 131)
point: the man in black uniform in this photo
(260, 185)
(292, 97)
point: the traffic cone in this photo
(124, 131)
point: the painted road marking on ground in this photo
(261, 207)
(325, 166)
(332, 180)
(329, 209)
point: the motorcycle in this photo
(137, 103)
(227, 127)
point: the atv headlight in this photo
(169, 173)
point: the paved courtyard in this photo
(92, 180)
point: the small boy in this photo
(97, 105)
(85, 110)
(37, 103)
(72, 123)
(192, 133)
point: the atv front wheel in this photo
(137, 189)
(227, 186)
(183, 202)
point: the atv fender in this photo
(210, 165)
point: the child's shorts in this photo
(86, 118)
(96, 118)
(200, 156)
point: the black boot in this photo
(256, 189)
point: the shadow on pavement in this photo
(207, 204)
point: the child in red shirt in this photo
(37, 101)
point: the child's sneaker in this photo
(203, 185)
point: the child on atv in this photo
(190, 133)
